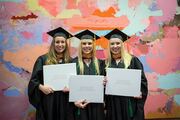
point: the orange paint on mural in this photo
(25, 57)
(102, 42)
(97, 23)
(109, 13)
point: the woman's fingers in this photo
(81, 103)
(66, 89)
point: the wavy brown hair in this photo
(52, 55)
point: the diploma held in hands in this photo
(123, 82)
(57, 76)
(86, 87)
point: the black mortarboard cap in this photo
(87, 34)
(115, 33)
(60, 32)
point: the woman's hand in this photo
(81, 103)
(105, 80)
(66, 89)
(45, 89)
(138, 97)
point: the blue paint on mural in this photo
(16, 40)
(1, 56)
(11, 92)
(26, 91)
(18, 1)
(177, 99)
(102, 32)
(12, 68)
(169, 81)
(145, 65)
(153, 6)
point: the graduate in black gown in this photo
(122, 107)
(88, 64)
(49, 104)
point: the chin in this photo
(115, 53)
(59, 52)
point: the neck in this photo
(87, 61)
(87, 56)
(116, 56)
(59, 56)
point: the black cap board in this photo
(60, 32)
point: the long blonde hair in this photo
(52, 55)
(94, 60)
(125, 56)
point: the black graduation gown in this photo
(138, 104)
(93, 111)
(54, 106)
(127, 108)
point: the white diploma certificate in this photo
(86, 87)
(57, 76)
(123, 82)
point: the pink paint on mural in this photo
(87, 7)
(71, 4)
(165, 52)
(152, 28)
(45, 37)
(134, 3)
(168, 9)
(9, 9)
(178, 91)
(155, 102)
(12, 108)
(135, 47)
(27, 35)
(152, 82)
(54, 7)
(100, 54)
(141, 49)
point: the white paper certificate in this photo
(57, 76)
(88, 87)
(123, 82)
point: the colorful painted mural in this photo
(153, 24)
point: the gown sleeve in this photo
(34, 93)
(102, 67)
(138, 104)
(144, 85)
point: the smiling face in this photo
(87, 46)
(59, 44)
(115, 45)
